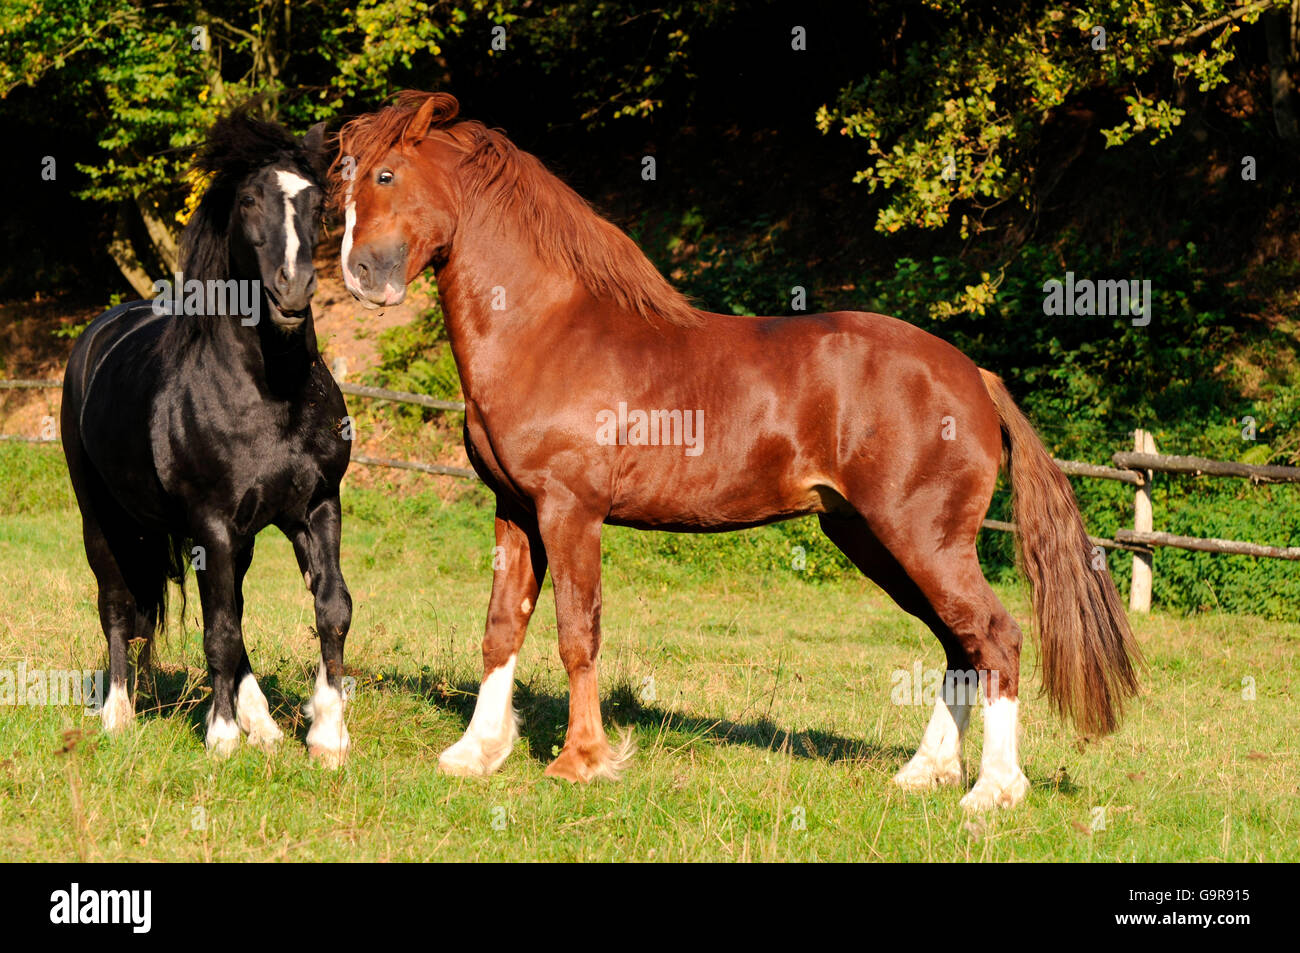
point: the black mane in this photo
(237, 146)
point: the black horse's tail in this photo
(174, 561)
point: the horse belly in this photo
(718, 497)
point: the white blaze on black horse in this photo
(890, 435)
(190, 432)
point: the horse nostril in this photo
(363, 271)
(281, 279)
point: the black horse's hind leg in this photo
(317, 548)
(131, 578)
(117, 617)
(938, 760)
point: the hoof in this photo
(327, 738)
(254, 716)
(471, 758)
(331, 758)
(988, 794)
(583, 763)
(922, 774)
(118, 713)
(265, 735)
(222, 739)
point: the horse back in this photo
(107, 398)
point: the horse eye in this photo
(247, 201)
(384, 178)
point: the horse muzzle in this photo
(377, 277)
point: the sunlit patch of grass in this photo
(759, 702)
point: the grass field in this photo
(760, 703)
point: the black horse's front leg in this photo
(317, 546)
(251, 708)
(218, 568)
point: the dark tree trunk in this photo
(1280, 31)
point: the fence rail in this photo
(402, 397)
(1135, 468)
(1199, 466)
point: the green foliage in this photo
(155, 78)
(1087, 382)
(744, 268)
(956, 123)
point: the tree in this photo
(954, 128)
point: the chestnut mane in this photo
(500, 178)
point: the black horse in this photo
(190, 422)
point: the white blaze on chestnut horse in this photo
(555, 316)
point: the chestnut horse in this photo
(596, 394)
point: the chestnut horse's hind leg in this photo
(938, 760)
(518, 567)
(953, 583)
(572, 540)
(947, 590)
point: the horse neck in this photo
(278, 361)
(491, 255)
(286, 358)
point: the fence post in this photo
(1139, 599)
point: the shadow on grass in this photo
(182, 693)
(544, 718)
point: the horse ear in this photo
(436, 109)
(318, 153)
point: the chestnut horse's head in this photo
(406, 183)
(409, 180)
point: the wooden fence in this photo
(1137, 469)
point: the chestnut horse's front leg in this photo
(518, 567)
(572, 541)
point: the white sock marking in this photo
(254, 715)
(1000, 761)
(492, 731)
(118, 710)
(223, 734)
(938, 759)
(328, 735)
(1001, 782)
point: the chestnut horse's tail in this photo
(1088, 650)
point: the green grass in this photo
(772, 701)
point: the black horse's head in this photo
(260, 218)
